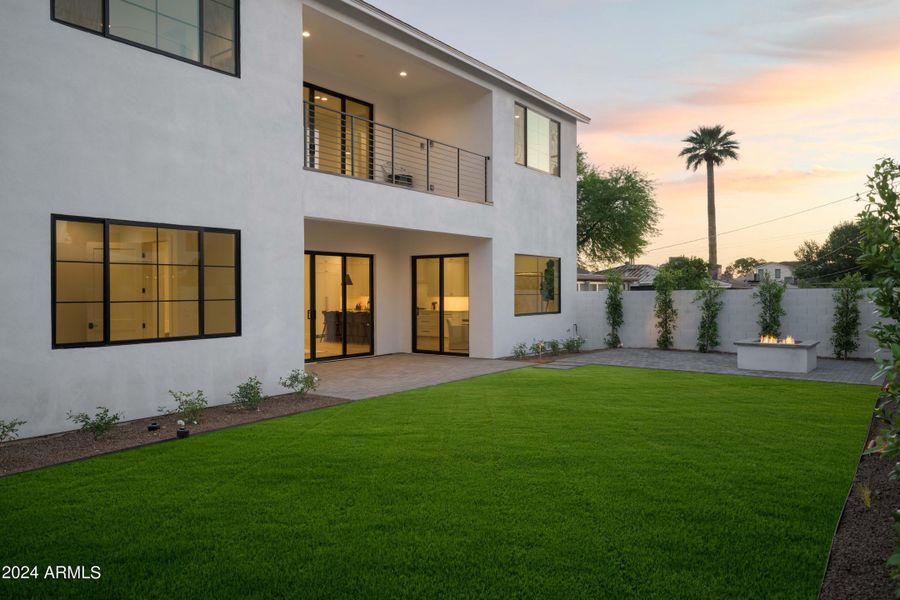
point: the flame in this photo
(771, 339)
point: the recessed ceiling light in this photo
(517, 116)
(324, 99)
(305, 34)
(402, 73)
(320, 97)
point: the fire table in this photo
(770, 354)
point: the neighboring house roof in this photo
(783, 263)
(474, 63)
(632, 274)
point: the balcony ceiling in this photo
(337, 47)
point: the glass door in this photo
(441, 304)
(339, 302)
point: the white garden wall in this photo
(809, 317)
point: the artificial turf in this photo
(598, 482)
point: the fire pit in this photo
(769, 353)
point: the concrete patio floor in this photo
(358, 378)
(829, 369)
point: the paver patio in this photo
(828, 370)
(358, 378)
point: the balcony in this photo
(346, 144)
(377, 109)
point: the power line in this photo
(766, 222)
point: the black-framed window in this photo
(117, 282)
(203, 32)
(536, 140)
(537, 289)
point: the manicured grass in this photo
(599, 482)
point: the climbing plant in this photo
(845, 331)
(768, 296)
(664, 310)
(614, 311)
(710, 298)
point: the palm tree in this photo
(710, 145)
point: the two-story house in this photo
(197, 191)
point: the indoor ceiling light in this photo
(324, 99)
(305, 34)
(320, 97)
(402, 73)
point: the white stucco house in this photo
(198, 191)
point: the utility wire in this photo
(766, 222)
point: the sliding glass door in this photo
(441, 304)
(339, 305)
(340, 133)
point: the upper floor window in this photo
(123, 282)
(204, 32)
(537, 285)
(537, 140)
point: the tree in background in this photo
(710, 146)
(617, 212)
(614, 311)
(664, 310)
(686, 273)
(742, 267)
(845, 331)
(834, 258)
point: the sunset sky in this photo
(812, 88)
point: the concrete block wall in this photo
(809, 317)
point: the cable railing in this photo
(346, 144)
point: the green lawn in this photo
(598, 482)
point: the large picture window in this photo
(204, 32)
(122, 282)
(537, 285)
(537, 140)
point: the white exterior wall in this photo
(809, 317)
(98, 128)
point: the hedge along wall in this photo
(809, 317)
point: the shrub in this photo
(573, 344)
(9, 430)
(845, 330)
(189, 405)
(553, 346)
(768, 296)
(520, 350)
(249, 394)
(710, 298)
(664, 309)
(98, 425)
(538, 348)
(614, 313)
(300, 381)
(880, 226)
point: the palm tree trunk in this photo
(711, 217)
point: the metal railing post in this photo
(457, 174)
(393, 155)
(352, 149)
(427, 165)
(486, 175)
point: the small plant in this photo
(865, 494)
(538, 348)
(554, 346)
(189, 405)
(664, 310)
(710, 299)
(9, 430)
(845, 330)
(249, 394)
(614, 311)
(300, 382)
(573, 344)
(768, 296)
(520, 350)
(98, 425)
